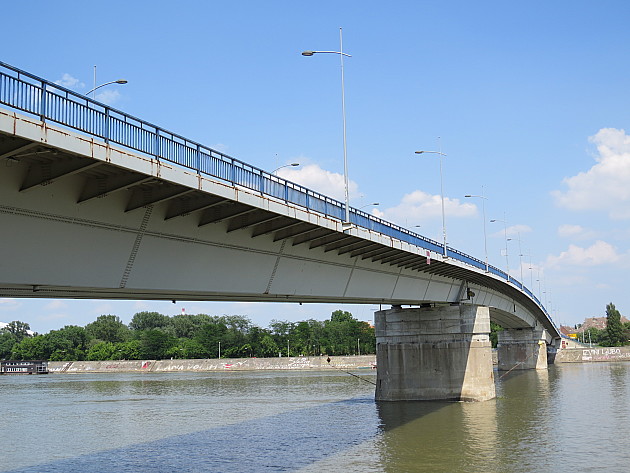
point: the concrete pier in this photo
(433, 353)
(522, 349)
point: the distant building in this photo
(23, 367)
(596, 322)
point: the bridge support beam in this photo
(434, 353)
(522, 349)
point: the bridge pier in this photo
(522, 349)
(433, 353)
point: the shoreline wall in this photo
(595, 354)
(367, 362)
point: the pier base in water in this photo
(434, 353)
(522, 349)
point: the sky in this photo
(529, 102)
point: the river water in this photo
(574, 417)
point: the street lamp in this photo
(483, 207)
(346, 224)
(119, 81)
(285, 166)
(507, 264)
(441, 193)
(367, 205)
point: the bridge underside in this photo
(80, 219)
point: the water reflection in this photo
(436, 436)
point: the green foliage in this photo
(151, 335)
(494, 337)
(149, 320)
(108, 328)
(155, 344)
(614, 328)
(30, 348)
(101, 351)
(18, 329)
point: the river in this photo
(574, 417)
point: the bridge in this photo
(96, 203)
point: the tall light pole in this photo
(507, 263)
(441, 192)
(343, 113)
(520, 253)
(483, 207)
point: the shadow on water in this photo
(283, 442)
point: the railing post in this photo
(157, 143)
(42, 103)
(198, 165)
(106, 127)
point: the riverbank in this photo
(236, 364)
(595, 354)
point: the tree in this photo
(154, 344)
(148, 320)
(68, 343)
(614, 327)
(30, 348)
(494, 334)
(18, 329)
(108, 328)
(101, 351)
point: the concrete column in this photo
(434, 353)
(522, 349)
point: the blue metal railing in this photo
(51, 102)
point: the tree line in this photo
(151, 335)
(616, 333)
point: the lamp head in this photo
(468, 196)
(121, 81)
(308, 53)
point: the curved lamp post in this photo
(285, 166)
(119, 81)
(441, 195)
(309, 53)
(483, 207)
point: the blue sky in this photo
(530, 101)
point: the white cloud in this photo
(576, 232)
(418, 206)
(108, 96)
(68, 81)
(141, 306)
(53, 316)
(10, 305)
(599, 253)
(102, 308)
(56, 304)
(513, 230)
(326, 182)
(605, 186)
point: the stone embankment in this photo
(588, 355)
(237, 364)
